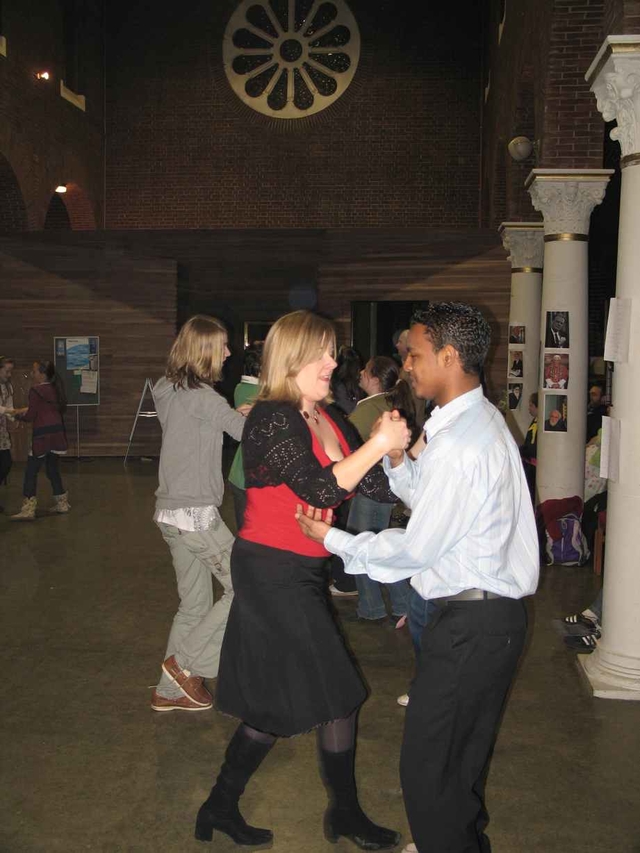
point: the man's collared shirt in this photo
(472, 523)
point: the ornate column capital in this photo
(614, 78)
(566, 198)
(523, 241)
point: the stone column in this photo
(523, 241)
(565, 197)
(614, 668)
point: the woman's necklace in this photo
(315, 415)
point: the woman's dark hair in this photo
(397, 393)
(533, 399)
(252, 361)
(460, 325)
(48, 370)
(347, 373)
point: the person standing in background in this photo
(47, 405)
(6, 408)
(380, 380)
(345, 382)
(245, 393)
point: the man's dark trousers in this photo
(470, 651)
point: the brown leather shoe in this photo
(182, 703)
(190, 685)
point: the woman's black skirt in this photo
(284, 666)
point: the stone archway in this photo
(13, 213)
(70, 211)
(57, 217)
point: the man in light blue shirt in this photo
(471, 547)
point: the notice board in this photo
(77, 360)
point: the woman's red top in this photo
(270, 512)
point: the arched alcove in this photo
(13, 214)
(57, 218)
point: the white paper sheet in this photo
(610, 448)
(616, 344)
(89, 382)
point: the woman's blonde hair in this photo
(294, 341)
(197, 354)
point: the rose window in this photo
(291, 58)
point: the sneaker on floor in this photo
(582, 645)
(403, 700)
(410, 848)
(181, 703)
(335, 591)
(581, 619)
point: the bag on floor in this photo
(571, 548)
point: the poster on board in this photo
(77, 361)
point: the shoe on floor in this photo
(582, 645)
(190, 685)
(60, 504)
(403, 700)
(182, 703)
(410, 848)
(581, 619)
(28, 511)
(335, 591)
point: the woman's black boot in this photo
(344, 817)
(220, 810)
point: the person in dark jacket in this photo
(47, 405)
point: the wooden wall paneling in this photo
(54, 289)
(415, 265)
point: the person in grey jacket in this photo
(193, 418)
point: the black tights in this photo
(338, 736)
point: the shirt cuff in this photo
(390, 469)
(337, 541)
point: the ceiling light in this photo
(43, 75)
(61, 189)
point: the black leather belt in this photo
(467, 595)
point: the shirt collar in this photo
(443, 415)
(249, 380)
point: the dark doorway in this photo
(373, 325)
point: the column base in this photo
(606, 684)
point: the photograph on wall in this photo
(556, 371)
(515, 363)
(515, 394)
(557, 330)
(555, 412)
(78, 354)
(517, 335)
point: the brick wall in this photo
(44, 139)
(400, 147)
(572, 136)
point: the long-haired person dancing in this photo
(47, 405)
(284, 668)
(193, 418)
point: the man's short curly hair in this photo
(460, 325)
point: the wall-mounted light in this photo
(43, 75)
(520, 148)
(61, 189)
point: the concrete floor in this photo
(86, 604)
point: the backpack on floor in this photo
(571, 548)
